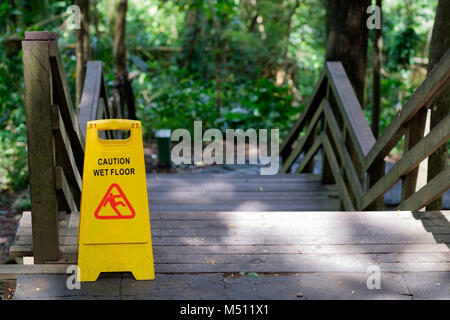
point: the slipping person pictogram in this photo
(114, 200)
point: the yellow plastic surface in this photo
(114, 234)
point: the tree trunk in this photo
(192, 29)
(122, 86)
(377, 61)
(82, 47)
(440, 43)
(348, 39)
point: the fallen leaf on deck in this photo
(261, 189)
(252, 275)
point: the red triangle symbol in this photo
(114, 205)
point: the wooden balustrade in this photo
(351, 156)
(56, 136)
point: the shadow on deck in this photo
(255, 237)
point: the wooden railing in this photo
(56, 136)
(333, 122)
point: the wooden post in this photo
(415, 131)
(374, 173)
(327, 173)
(309, 168)
(41, 162)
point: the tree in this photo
(347, 39)
(123, 92)
(440, 43)
(82, 49)
(377, 62)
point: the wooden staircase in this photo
(226, 224)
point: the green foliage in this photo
(232, 64)
(178, 99)
(406, 35)
(13, 159)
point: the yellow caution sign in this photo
(114, 234)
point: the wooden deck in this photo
(287, 224)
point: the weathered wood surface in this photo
(359, 158)
(38, 102)
(94, 103)
(426, 93)
(209, 241)
(434, 188)
(439, 135)
(350, 109)
(216, 192)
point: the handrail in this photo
(333, 122)
(423, 97)
(94, 100)
(56, 136)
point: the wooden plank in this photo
(39, 35)
(309, 143)
(345, 197)
(309, 156)
(340, 266)
(299, 249)
(345, 216)
(314, 101)
(289, 231)
(298, 268)
(217, 187)
(439, 135)
(234, 196)
(91, 94)
(424, 96)
(38, 99)
(375, 173)
(349, 169)
(299, 148)
(416, 129)
(289, 228)
(351, 110)
(327, 174)
(232, 177)
(32, 269)
(59, 127)
(428, 193)
(250, 206)
(300, 215)
(64, 155)
(344, 225)
(64, 189)
(64, 101)
(162, 250)
(269, 197)
(304, 258)
(336, 239)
